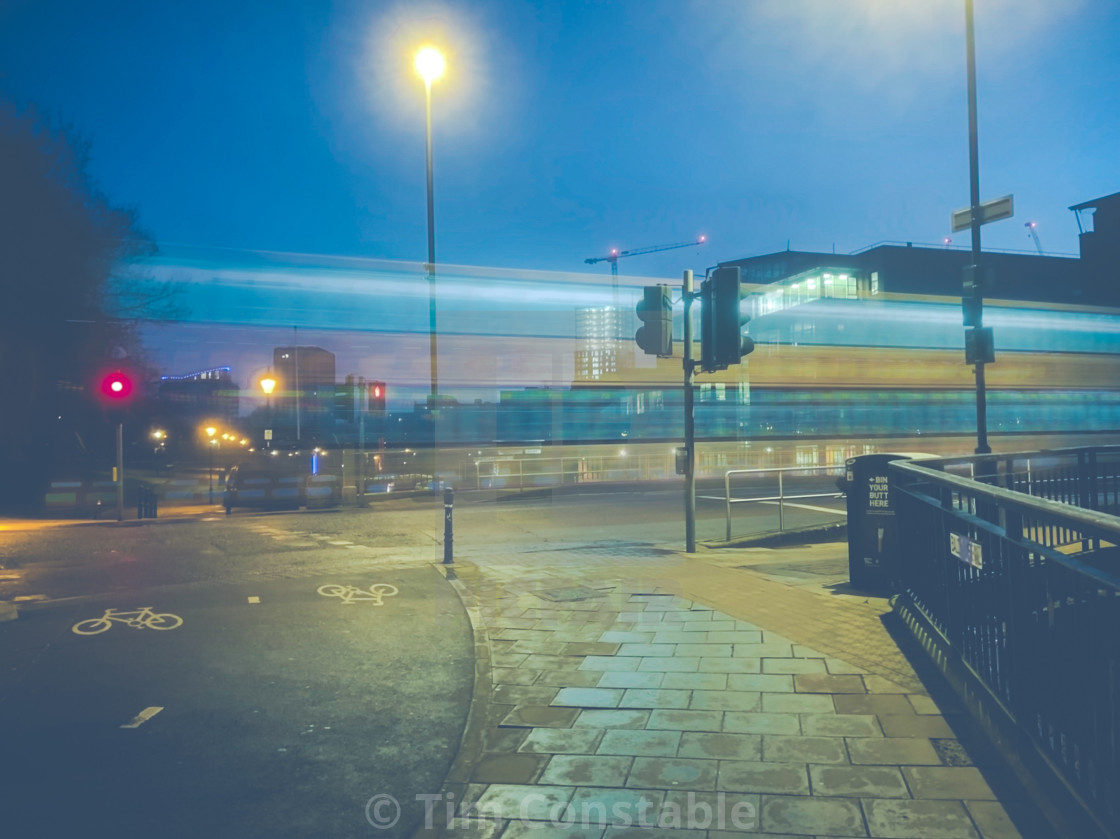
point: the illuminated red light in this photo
(116, 386)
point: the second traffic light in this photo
(722, 342)
(655, 335)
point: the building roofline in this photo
(1096, 202)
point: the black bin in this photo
(873, 537)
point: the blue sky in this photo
(565, 128)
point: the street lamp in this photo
(211, 442)
(430, 66)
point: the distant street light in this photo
(430, 66)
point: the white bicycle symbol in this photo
(352, 594)
(142, 618)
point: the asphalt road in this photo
(283, 711)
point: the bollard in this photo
(448, 530)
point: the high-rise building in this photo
(597, 350)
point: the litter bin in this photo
(872, 527)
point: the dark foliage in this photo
(69, 302)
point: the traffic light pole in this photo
(689, 427)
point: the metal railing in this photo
(781, 497)
(1026, 591)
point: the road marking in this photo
(143, 717)
(353, 594)
(254, 599)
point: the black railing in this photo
(1026, 590)
(1087, 477)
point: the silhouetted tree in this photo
(69, 300)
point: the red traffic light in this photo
(116, 386)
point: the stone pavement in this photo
(686, 697)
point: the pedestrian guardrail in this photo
(781, 498)
(1026, 591)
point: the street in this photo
(276, 708)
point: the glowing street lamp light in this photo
(430, 65)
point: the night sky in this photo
(565, 128)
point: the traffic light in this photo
(722, 342)
(979, 346)
(377, 397)
(655, 335)
(117, 386)
(972, 293)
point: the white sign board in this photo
(1001, 208)
(966, 550)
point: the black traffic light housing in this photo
(975, 281)
(722, 342)
(655, 310)
(979, 346)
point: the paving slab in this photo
(673, 773)
(640, 742)
(874, 781)
(562, 740)
(905, 819)
(587, 770)
(756, 776)
(956, 782)
(811, 816)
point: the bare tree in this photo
(69, 299)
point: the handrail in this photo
(1079, 515)
(1025, 591)
(781, 496)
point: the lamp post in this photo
(430, 65)
(210, 442)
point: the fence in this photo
(1025, 590)
(781, 497)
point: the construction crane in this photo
(1030, 225)
(615, 255)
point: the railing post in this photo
(781, 504)
(727, 498)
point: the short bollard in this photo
(448, 531)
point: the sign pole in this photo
(120, 471)
(982, 446)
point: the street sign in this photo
(1000, 208)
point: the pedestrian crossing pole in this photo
(689, 428)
